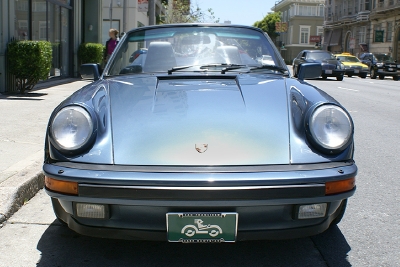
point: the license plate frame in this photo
(328, 71)
(202, 227)
(356, 71)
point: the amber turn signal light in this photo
(63, 187)
(340, 186)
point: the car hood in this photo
(192, 120)
(353, 64)
(329, 62)
(323, 61)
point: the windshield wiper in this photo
(170, 71)
(226, 67)
(271, 67)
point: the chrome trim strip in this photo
(204, 169)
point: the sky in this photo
(238, 11)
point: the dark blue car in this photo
(331, 66)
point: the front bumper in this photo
(356, 72)
(332, 73)
(265, 199)
(383, 72)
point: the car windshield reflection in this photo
(189, 48)
(320, 56)
(384, 58)
(348, 59)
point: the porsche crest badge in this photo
(201, 148)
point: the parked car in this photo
(352, 65)
(381, 65)
(137, 53)
(331, 67)
(198, 146)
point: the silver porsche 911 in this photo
(186, 136)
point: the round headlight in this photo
(330, 127)
(72, 128)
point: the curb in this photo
(25, 177)
(20, 188)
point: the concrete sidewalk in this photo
(23, 125)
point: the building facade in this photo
(39, 20)
(304, 20)
(125, 15)
(358, 26)
(66, 24)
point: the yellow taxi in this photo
(352, 65)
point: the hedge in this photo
(90, 53)
(29, 62)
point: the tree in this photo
(267, 24)
(180, 11)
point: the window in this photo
(321, 11)
(42, 30)
(23, 25)
(362, 32)
(307, 10)
(350, 7)
(39, 6)
(22, 5)
(320, 30)
(378, 26)
(304, 34)
(389, 31)
(379, 35)
(366, 5)
(292, 10)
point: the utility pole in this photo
(124, 17)
(110, 15)
(152, 12)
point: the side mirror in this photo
(90, 71)
(309, 71)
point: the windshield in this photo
(193, 48)
(320, 56)
(384, 58)
(348, 59)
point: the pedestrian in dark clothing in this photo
(111, 44)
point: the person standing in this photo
(111, 44)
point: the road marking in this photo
(348, 89)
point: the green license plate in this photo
(202, 227)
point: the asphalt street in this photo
(367, 236)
